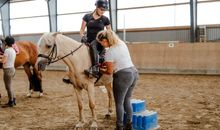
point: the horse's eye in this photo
(48, 46)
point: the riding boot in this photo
(119, 128)
(128, 126)
(94, 69)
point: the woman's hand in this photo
(84, 39)
(103, 67)
(106, 68)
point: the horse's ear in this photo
(55, 33)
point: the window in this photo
(28, 9)
(70, 13)
(71, 6)
(30, 25)
(141, 3)
(71, 22)
(208, 13)
(73, 13)
(154, 17)
(1, 33)
(204, 0)
(29, 17)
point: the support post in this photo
(5, 14)
(193, 20)
(52, 10)
(113, 14)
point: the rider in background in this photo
(94, 22)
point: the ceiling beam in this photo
(5, 15)
(2, 2)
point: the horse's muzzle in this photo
(42, 64)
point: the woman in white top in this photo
(8, 61)
(118, 62)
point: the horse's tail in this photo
(37, 80)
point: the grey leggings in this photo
(124, 82)
(8, 75)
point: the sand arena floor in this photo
(183, 102)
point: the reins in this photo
(52, 57)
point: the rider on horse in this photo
(95, 22)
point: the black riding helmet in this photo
(102, 4)
(9, 40)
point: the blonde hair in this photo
(110, 35)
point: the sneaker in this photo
(91, 72)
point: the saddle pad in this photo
(16, 48)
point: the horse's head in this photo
(54, 47)
(47, 50)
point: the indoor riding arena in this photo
(174, 44)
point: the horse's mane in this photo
(52, 37)
(67, 39)
(45, 38)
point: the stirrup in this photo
(89, 73)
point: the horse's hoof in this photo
(94, 126)
(79, 126)
(41, 95)
(29, 95)
(107, 116)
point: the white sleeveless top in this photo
(11, 55)
(119, 55)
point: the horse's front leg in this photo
(29, 74)
(38, 80)
(91, 95)
(109, 90)
(81, 122)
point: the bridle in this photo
(52, 57)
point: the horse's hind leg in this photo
(29, 74)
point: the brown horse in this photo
(27, 57)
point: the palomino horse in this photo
(54, 47)
(27, 57)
